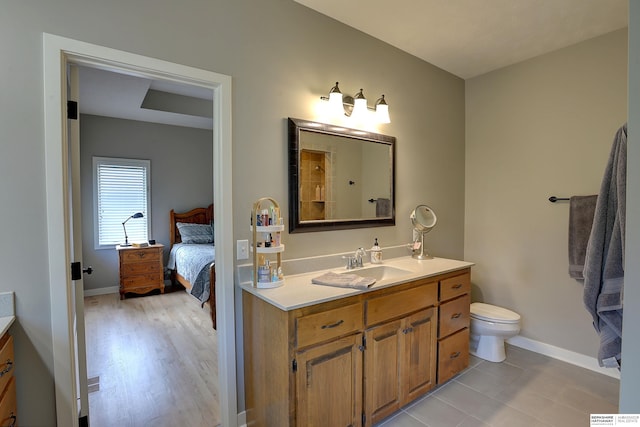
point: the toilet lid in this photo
(492, 313)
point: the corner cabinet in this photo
(351, 361)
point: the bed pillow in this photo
(195, 233)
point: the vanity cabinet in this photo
(351, 361)
(453, 326)
(329, 383)
(400, 356)
(8, 406)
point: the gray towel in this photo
(343, 280)
(604, 261)
(383, 207)
(581, 209)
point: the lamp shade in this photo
(382, 111)
(335, 101)
(359, 106)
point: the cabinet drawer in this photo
(453, 355)
(454, 286)
(6, 361)
(8, 405)
(401, 303)
(141, 280)
(140, 255)
(319, 327)
(140, 268)
(454, 315)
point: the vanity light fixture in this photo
(355, 106)
(382, 110)
(335, 100)
(359, 106)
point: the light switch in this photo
(242, 249)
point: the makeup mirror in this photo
(423, 219)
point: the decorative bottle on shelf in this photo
(317, 192)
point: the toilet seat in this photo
(492, 313)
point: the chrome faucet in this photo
(355, 260)
(359, 255)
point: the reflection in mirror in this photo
(339, 178)
(423, 219)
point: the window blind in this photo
(122, 189)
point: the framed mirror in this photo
(339, 178)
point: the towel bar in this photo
(554, 199)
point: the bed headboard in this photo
(194, 216)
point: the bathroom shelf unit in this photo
(258, 247)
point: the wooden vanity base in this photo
(357, 359)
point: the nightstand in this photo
(141, 269)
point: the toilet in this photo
(490, 326)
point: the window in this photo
(120, 189)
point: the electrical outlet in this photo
(242, 249)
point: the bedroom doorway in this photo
(60, 52)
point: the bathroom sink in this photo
(380, 272)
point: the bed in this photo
(192, 254)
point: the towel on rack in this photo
(604, 260)
(383, 207)
(581, 209)
(343, 280)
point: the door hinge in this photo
(72, 110)
(294, 365)
(364, 419)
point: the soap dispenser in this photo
(376, 253)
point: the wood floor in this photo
(151, 361)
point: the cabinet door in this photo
(420, 337)
(383, 363)
(329, 384)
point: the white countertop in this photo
(7, 311)
(298, 291)
(5, 323)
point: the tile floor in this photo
(528, 390)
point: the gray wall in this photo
(181, 179)
(282, 57)
(536, 129)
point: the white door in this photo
(73, 126)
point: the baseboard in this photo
(568, 356)
(242, 419)
(101, 291)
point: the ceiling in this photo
(464, 37)
(123, 96)
(472, 37)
